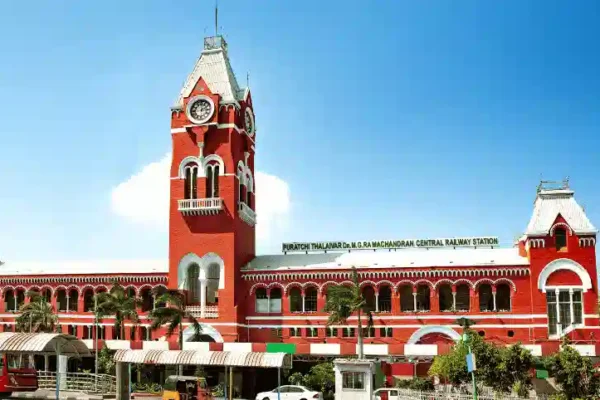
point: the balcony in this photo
(210, 312)
(247, 214)
(210, 206)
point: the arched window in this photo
(261, 300)
(212, 180)
(385, 299)
(20, 298)
(47, 295)
(192, 283)
(88, 300)
(463, 297)
(446, 298)
(61, 299)
(423, 300)
(147, 299)
(406, 299)
(130, 292)
(275, 300)
(191, 181)
(560, 238)
(10, 303)
(73, 299)
(295, 300)
(486, 299)
(503, 297)
(310, 299)
(369, 295)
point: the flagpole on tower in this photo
(216, 17)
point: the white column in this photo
(376, 301)
(454, 300)
(202, 298)
(67, 310)
(303, 303)
(415, 301)
(494, 297)
(558, 322)
(571, 306)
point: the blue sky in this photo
(384, 119)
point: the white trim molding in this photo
(587, 241)
(445, 330)
(563, 225)
(568, 265)
(537, 243)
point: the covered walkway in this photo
(226, 359)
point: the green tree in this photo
(342, 302)
(321, 378)
(37, 315)
(106, 361)
(173, 314)
(574, 373)
(115, 303)
(503, 369)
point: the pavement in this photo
(47, 394)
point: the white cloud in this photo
(144, 199)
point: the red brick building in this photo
(543, 288)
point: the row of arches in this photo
(412, 298)
(72, 300)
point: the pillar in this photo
(122, 381)
(285, 303)
(473, 301)
(494, 297)
(377, 301)
(53, 302)
(202, 298)
(414, 299)
(67, 298)
(558, 321)
(395, 302)
(2, 302)
(570, 306)
(433, 301)
(453, 298)
(62, 362)
(321, 301)
(80, 302)
(303, 303)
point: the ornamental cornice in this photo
(69, 280)
(256, 276)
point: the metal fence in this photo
(78, 381)
(407, 394)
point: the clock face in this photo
(200, 109)
(249, 122)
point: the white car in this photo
(386, 394)
(290, 392)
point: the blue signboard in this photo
(471, 365)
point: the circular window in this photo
(481, 333)
(249, 122)
(511, 333)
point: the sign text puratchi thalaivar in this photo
(391, 244)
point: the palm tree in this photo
(116, 303)
(342, 302)
(37, 315)
(172, 313)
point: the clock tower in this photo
(212, 206)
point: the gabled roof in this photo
(549, 204)
(395, 259)
(214, 68)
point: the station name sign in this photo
(391, 244)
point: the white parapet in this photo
(420, 350)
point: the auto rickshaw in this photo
(179, 387)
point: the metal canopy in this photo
(58, 343)
(200, 357)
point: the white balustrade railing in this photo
(78, 381)
(211, 205)
(209, 311)
(247, 214)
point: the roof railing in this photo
(215, 42)
(554, 185)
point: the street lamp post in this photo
(466, 323)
